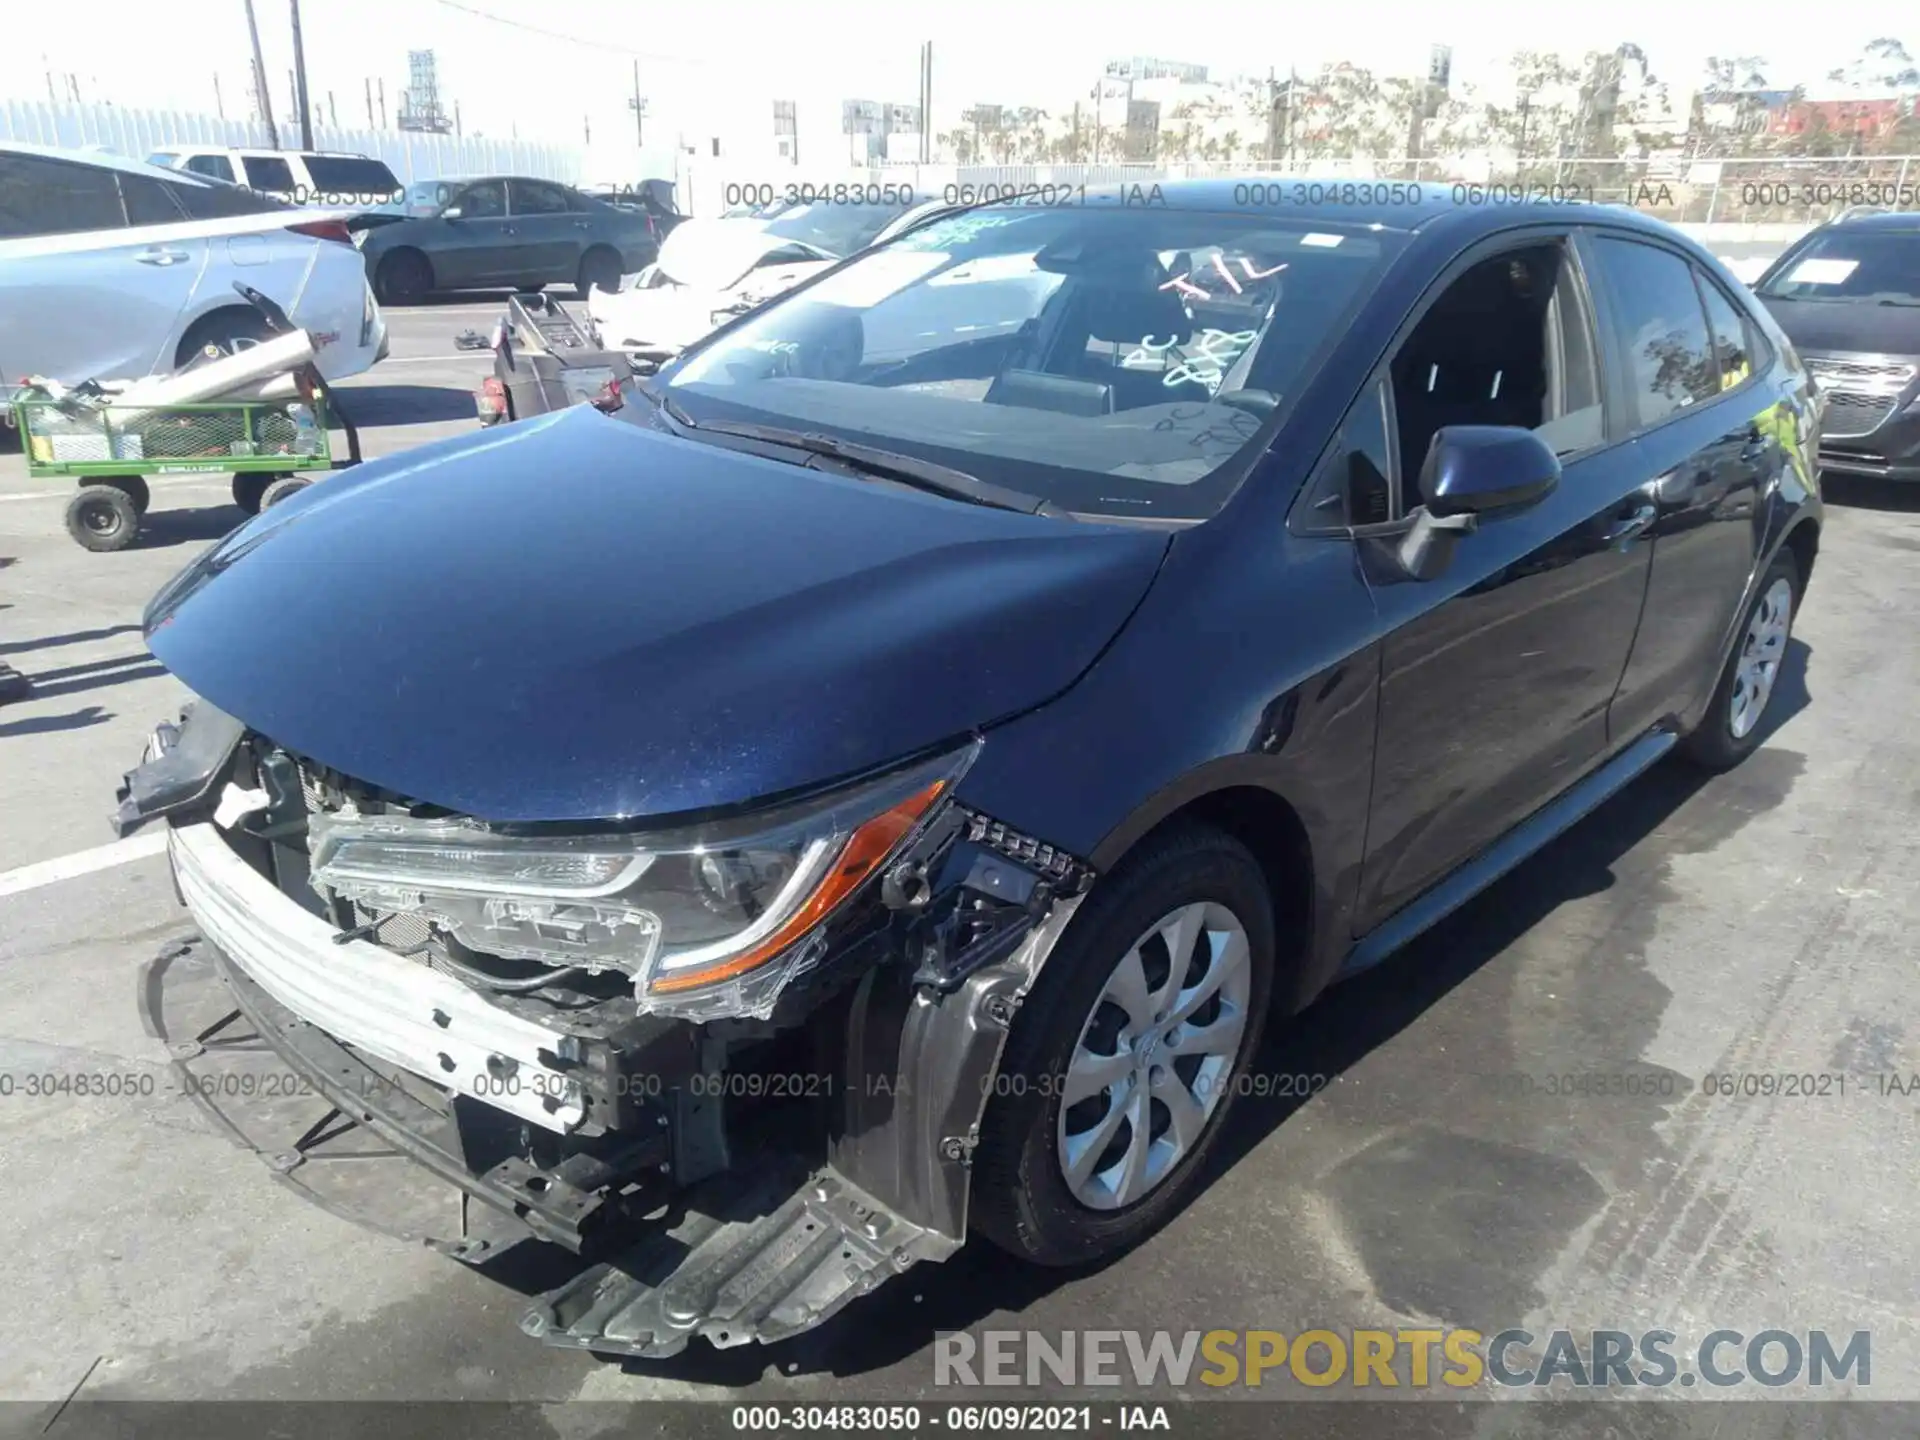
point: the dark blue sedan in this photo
(879, 783)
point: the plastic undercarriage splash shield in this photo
(752, 1258)
(759, 1256)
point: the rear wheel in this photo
(1732, 729)
(403, 278)
(103, 518)
(225, 330)
(1124, 1059)
(249, 487)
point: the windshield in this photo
(1106, 360)
(1861, 265)
(836, 229)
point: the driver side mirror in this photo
(1475, 469)
(452, 212)
(1471, 471)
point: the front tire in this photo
(102, 518)
(1732, 728)
(1124, 1059)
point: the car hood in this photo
(674, 316)
(578, 617)
(716, 254)
(1845, 327)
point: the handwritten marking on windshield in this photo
(1206, 361)
(1184, 283)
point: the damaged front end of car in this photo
(738, 1065)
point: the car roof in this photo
(1343, 200)
(101, 158)
(1898, 223)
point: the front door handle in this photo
(508, 230)
(1640, 521)
(583, 224)
(159, 255)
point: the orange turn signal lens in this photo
(865, 851)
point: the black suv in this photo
(1848, 296)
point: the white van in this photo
(326, 178)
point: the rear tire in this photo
(225, 330)
(135, 487)
(249, 487)
(1734, 724)
(102, 518)
(283, 487)
(599, 270)
(1080, 1021)
(403, 278)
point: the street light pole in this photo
(261, 97)
(300, 80)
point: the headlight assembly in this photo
(711, 920)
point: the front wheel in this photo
(1731, 729)
(102, 518)
(1126, 1056)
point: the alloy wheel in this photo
(1155, 1057)
(1762, 649)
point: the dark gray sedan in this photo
(500, 231)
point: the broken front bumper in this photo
(735, 1257)
(414, 1017)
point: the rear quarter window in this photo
(351, 179)
(220, 202)
(150, 201)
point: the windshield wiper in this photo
(886, 464)
(660, 400)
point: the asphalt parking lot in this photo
(1756, 924)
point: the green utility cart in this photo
(269, 447)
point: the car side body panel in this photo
(1257, 659)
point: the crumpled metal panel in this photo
(752, 1259)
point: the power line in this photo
(600, 45)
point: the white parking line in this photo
(85, 862)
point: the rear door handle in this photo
(583, 224)
(159, 255)
(1637, 523)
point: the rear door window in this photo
(269, 172)
(530, 197)
(1662, 329)
(41, 196)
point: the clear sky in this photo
(694, 52)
